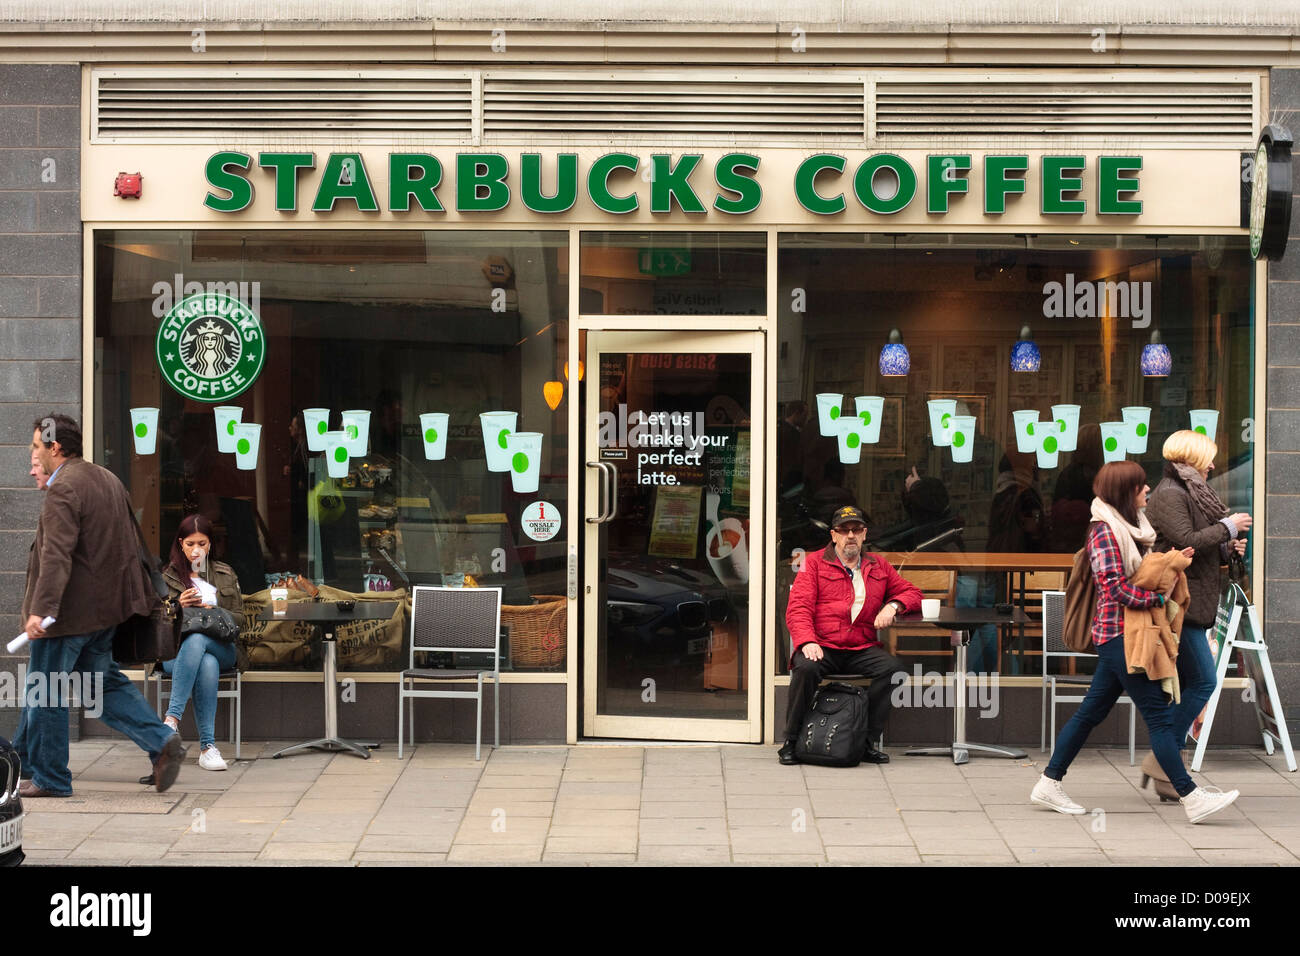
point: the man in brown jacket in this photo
(84, 571)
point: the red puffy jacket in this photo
(822, 596)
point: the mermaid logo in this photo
(210, 347)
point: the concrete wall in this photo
(40, 299)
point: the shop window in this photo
(960, 304)
(673, 273)
(376, 355)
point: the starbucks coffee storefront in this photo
(629, 385)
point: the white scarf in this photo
(1134, 542)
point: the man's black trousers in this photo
(874, 662)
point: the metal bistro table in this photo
(326, 616)
(964, 620)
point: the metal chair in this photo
(454, 620)
(233, 680)
(1054, 647)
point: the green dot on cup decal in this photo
(1061, 422)
(852, 440)
(520, 462)
(243, 446)
(1029, 428)
(501, 437)
(341, 455)
(141, 430)
(1049, 445)
(230, 427)
(946, 420)
(1141, 430)
(321, 427)
(1201, 429)
(352, 431)
(431, 435)
(959, 439)
(1111, 443)
(835, 412)
(866, 418)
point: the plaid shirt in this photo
(1114, 593)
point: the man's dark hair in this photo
(61, 429)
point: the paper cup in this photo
(871, 409)
(336, 454)
(144, 430)
(356, 425)
(829, 406)
(227, 417)
(316, 422)
(279, 600)
(849, 434)
(930, 608)
(1138, 420)
(433, 428)
(963, 437)
(525, 451)
(247, 438)
(1066, 418)
(1049, 446)
(1204, 420)
(496, 427)
(1114, 440)
(1026, 422)
(941, 412)
(728, 557)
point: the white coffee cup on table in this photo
(930, 608)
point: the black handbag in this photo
(152, 637)
(215, 622)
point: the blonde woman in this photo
(1186, 513)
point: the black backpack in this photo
(834, 731)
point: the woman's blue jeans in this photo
(195, 670)
(1111, 680)
(1196, 679)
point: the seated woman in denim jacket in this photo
(195, 581)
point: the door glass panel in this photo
(675, 427)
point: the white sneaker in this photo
(1203, 801)
(1050, 793)
(210, 759)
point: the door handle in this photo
(613, 490)
(601, 514)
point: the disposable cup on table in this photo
(227, 417)
(356, 425)
(829, 406)
(1205, 421)
(336, 454)
(497, 426)
(930, 608)
(525, 451)
(1027, 424)
(941, 412)
(144, 430)
(316, 422)
(433, 429)
(1114, 440)
(849, 435)
(248, 436)
(1049, 446)
(871, 409)
(1138, 420)
(962, 437)
(1066, 418)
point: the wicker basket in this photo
(538, 632)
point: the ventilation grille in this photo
(208, 108)
(734, 109)
(1204, 113)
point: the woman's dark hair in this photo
(1117, 483)
(190, 524)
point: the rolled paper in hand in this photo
(16, 644)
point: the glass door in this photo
(673, 436)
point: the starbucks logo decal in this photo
(210, 347)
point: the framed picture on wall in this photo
(892, 428)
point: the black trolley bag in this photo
(834, 729)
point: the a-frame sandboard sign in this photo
(1236, 627)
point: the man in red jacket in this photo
(840, 598)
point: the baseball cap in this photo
(846, 514)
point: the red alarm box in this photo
(128, 185)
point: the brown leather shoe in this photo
(168, 764)
(29, 791)
(1151, 770)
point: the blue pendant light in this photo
(1025, 356)
(895, 361)
(1156, 360)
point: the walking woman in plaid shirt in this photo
(1118, 538)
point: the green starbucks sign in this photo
(210, 347)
